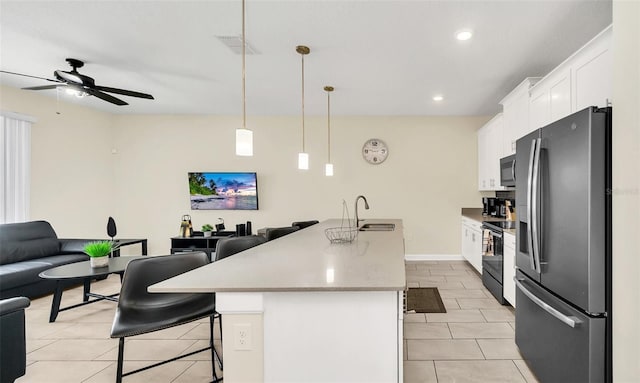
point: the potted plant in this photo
(206, 230)
(98, 252)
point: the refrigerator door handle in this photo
(513, 170)
(570, 321)
(529, 204)
(534, 206)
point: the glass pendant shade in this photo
(328, 170)
(303, 161)
(244, 142)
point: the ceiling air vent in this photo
(235, 44)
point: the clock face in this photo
(375, 151)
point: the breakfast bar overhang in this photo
(300, 308)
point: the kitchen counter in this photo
(476, 215)
(300, 299)
(305, 261)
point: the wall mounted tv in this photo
(223, 191)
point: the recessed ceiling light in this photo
(464, 34)
(438, 98)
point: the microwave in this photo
(508, 171)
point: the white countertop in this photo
(305, 261)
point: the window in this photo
(15, 166)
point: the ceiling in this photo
(382, 57)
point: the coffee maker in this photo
(490, 206)
(493, 207)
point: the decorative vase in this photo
(97, 262)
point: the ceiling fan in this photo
(82, 84)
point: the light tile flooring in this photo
(472, 342)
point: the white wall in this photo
(430, 174)
(71, 164)
(77, 182)
(626, 191)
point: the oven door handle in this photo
(492, 232)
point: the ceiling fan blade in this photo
(27, 75)
(42, 87)
(104, 96)
(124, 92)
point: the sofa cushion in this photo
(26, 241)
(24, 273)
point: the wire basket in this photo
(345, 233)
(341, 234)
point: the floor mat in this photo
(424, 300)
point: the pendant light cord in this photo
(244, 92)
(303, 103)
(329, 124)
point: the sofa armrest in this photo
(10, 305)
(74, 245)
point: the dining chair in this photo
(140, 312)
(232, 245)
(277, 232)
(304, 224)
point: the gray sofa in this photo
(28, 248)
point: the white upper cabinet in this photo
(490, 150)
(584, 79)
(515, 112)
(593, 73)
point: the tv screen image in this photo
(223, 191)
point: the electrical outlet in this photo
(242, 339)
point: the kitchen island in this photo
(300, 308)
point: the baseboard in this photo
(433, 257)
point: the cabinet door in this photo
(496, 133)
(539, 109)
(483, 155)
(476, 249)
(560, 96)
(509, 271)
(465, 242)
(489, 154)
(594, 81)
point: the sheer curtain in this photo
(15, 166)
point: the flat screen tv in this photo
(223, 191)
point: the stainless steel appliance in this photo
(563, 248)
(493, 256)
(508, 171)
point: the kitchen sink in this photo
(378, 227)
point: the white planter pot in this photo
(97, 262)
(206, 233)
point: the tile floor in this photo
(472, 342)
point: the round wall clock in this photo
(375, 151)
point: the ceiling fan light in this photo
(303, 161)
(328, 170)
(244, 142)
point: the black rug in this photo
(424, 300)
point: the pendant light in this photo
(244, 136)
(303, 157)
(328, 167)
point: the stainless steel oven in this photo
(493, 256)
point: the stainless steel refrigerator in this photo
(563, 248)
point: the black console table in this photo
(206, 244)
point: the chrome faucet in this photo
(366, 206)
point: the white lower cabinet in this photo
(509, 269)
(472, 242)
